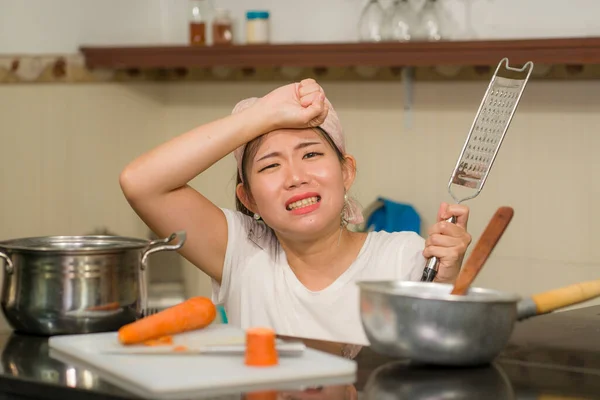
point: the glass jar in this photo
(198, 20)
(257, 27)
(222, 27)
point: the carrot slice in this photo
(194, 313)
(269, 395)
(161, 341)
(180, 348)
(260, 347)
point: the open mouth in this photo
(303, 203)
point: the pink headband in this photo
(333, 128)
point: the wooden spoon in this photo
(486, 243)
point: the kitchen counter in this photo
(552, 356)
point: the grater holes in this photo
(488, 129)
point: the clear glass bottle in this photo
(222, 27)
(399, 22)
(199, 19)
(371, 22)
(428, 26)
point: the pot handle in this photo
(153, 247)
(161, 245)
(9, 264)
(555, 299)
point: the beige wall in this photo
(64, 145)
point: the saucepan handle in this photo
(431, 268)
(9, 264)
(153, 247)
(556, 299)
(162, 245)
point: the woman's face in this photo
(297, 182)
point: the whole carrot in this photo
(194, 313)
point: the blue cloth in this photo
(222, 313)
(394, 217)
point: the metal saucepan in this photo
(76, 284)
(423, 322)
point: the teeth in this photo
(302, 203)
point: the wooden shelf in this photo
(567, 51)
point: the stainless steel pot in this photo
(423, 322)
(76, 284)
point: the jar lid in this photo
(257, 15)
(221, 12)
(74, 243)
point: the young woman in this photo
(284, 259)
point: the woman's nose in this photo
(296, 176)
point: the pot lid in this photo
(74, 243)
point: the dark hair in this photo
(250, 152)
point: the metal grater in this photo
(485, 137)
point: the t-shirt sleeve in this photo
(240, 229)
(412, 257)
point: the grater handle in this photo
(431, 268)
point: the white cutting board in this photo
(196, 376)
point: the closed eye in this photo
(267, 167)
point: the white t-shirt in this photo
(258, 288)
